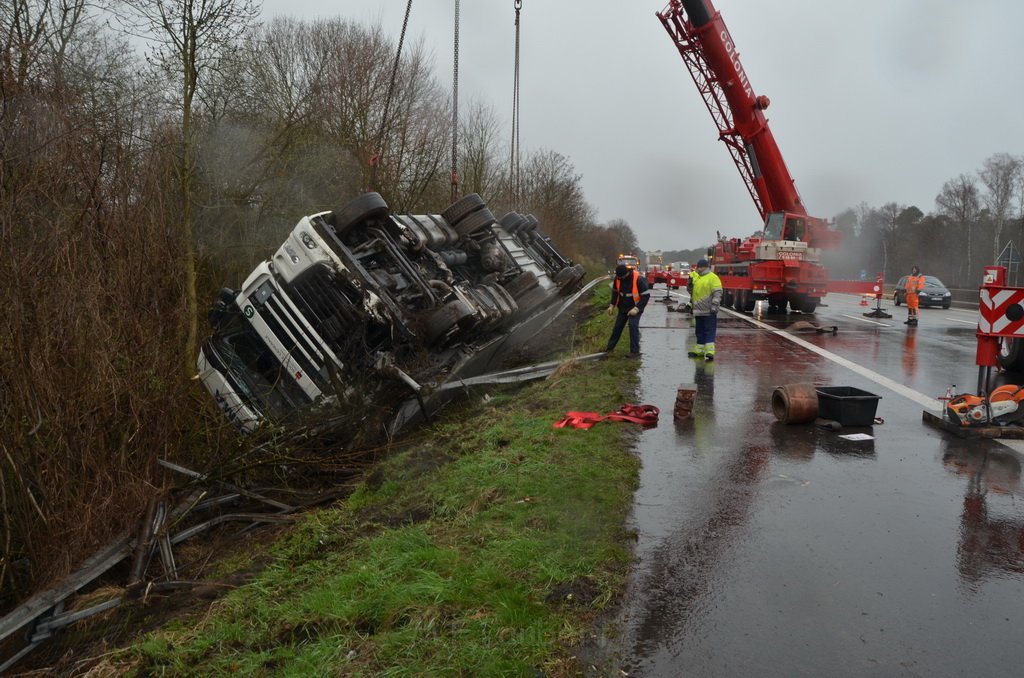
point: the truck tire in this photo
(569, 277)
(462, 208)
(804, 304)
(511, 221)
(481, 218)
(1011, 354)
(355, 211)
(444, 319)
(529, 223)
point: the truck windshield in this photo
(631, 262)
(257, 375)
(773, 226)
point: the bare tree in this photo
(481, 154)
(553, 191)
(888, 223)
(959, 200)
(189, 37)
(1000, 174)
(624, 236)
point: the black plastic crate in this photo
(848, 405)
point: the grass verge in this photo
(484, 545)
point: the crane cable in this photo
(514, 168)
(375, 156)
(455, 111)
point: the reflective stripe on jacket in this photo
(638, 296)
(915, 284)
(636, 291)
(706, 294)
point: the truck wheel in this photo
(356, 211)
(1011, 354)
(444, 319)
(511, 221)
(462, 208)
(481, 218)
(809, 304)
(529, 223)
(568, 277)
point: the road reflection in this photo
(991, 543)
(910, 352)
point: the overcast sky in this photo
(872, 101)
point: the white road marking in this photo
(916, 396)
(966, 322)
(873, 322)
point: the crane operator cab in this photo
(783, 226)
(786, 237)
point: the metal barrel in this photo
(795, 403)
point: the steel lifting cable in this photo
(514, 168)
(375, 157)
(455, 111)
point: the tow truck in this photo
(630, 261)
(781, 263)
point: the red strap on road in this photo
(646, 415)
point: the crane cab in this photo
(785, 226)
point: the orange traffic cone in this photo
(864, 300)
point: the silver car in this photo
(933, 294)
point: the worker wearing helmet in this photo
(630, 294)
(913, 287)
(705, 298)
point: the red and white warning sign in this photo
(1002, 312)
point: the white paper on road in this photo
(857, 436)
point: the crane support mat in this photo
(1010, 432)
(848, 405)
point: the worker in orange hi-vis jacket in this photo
(913, 287)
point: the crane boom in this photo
(781, 262)
(704, 42)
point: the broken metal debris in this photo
(164, 526)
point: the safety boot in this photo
(709, 351)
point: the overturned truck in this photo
(366, 311)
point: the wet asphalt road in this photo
(767, 549)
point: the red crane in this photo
(782, 263)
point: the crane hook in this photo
(519, 4)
